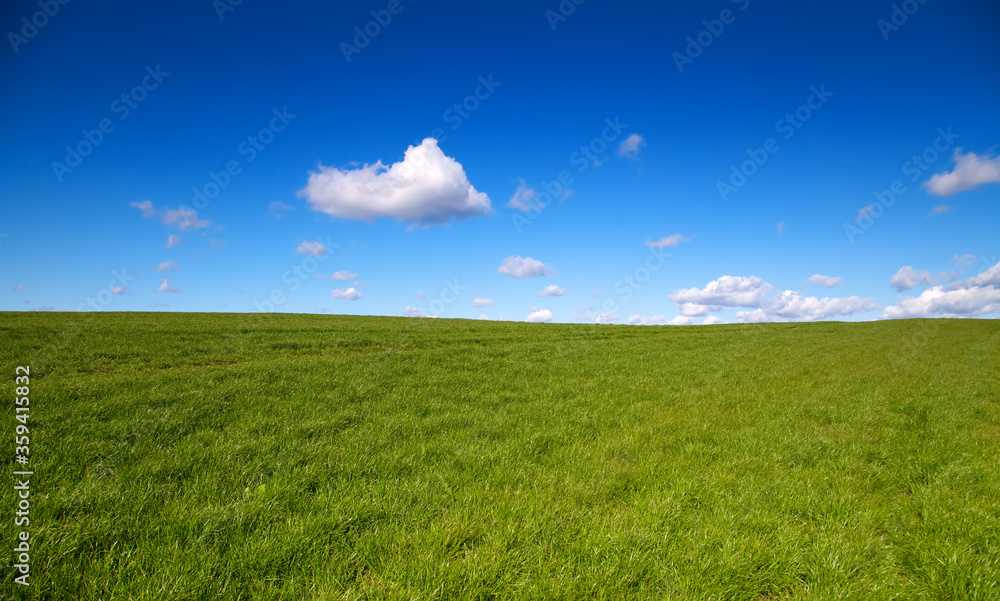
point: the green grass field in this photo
(221, 456)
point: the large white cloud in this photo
(792, 305)
(425, 188)
(971, 297)
(727, 291)
(970, 171)
(754, 295)
(524, 267)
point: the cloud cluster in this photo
(727, 291)
(425, 188)
(524, 267)
(970, 170)
(753, 295)
(483, 302)
(971, 297)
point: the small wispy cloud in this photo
(671, 240)
(168, 266)
(166, 287)
(630, 146)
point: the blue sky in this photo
(295, 124)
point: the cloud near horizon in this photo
(754, 293)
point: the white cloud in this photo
(977, 295)
(694, 309)
(966, 259)
(755, 316)
(277, 209)
(166, 287)
(185, 219)
(653, 320)
(420, 295)
(312, 249)
(792, 305)
(939, 210)
(524, 198)
(754, 293)
(907, 278)
(552, 290)
(539, 315)
(824, 280)
(483, 302)
(168, 266)
(145, 206)
(681, 320)
(970, 171)
(119, 290)
(629, 148)
(410, 311)
(518, 267)
(173, 240)
(348, 294)
(340, 276)
(711, 319)
(606, 318)
(671, 240)
(483, 316)
(989, 277)
(728, 291)
(425, 188)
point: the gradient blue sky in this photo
(221, 80)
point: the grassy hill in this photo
(227, 456)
